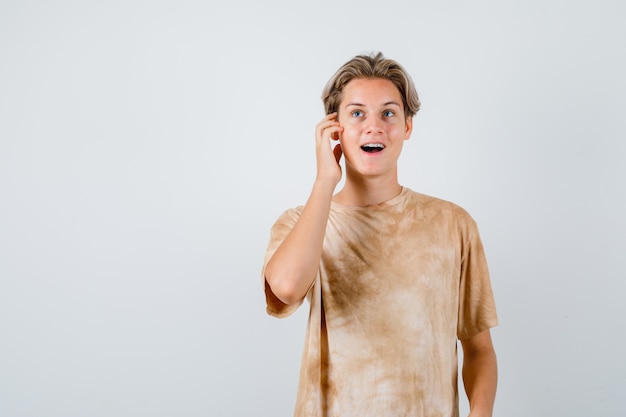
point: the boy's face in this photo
(374, 127)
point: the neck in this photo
(368, 191)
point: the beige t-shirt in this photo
(398, 283)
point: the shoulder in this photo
(291, 213)
(288, 218)
(438, 207)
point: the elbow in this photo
(284, 289)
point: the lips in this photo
(373, 147)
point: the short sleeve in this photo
(278, 233)
(477, 309)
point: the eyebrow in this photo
(384, 104)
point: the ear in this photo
(408, 127)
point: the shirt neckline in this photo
(394, 201)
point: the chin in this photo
(371, 173)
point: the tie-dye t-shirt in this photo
(398, 284)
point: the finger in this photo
(329, 132)
(327, 122)
(335, 135)
(328, 119)
(323, 127)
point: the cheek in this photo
(399, 129)
(349, 130)
(348, 138)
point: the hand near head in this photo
(328, 157)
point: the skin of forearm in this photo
(293, 267)
(480, 375)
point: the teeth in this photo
(374, 145)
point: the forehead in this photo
(370, 91)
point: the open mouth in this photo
(373, 147)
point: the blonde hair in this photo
(371, 66)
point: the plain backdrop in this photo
(146, 148)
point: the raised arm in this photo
(293, 267)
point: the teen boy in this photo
(393, 277)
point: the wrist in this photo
(327, 183)
(480, 412)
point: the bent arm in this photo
(290, 272)
(480, 373)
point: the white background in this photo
(146, 148)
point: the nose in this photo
(374, 126)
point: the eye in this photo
(389, 113)
(357, 113)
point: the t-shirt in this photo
(398, 284)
